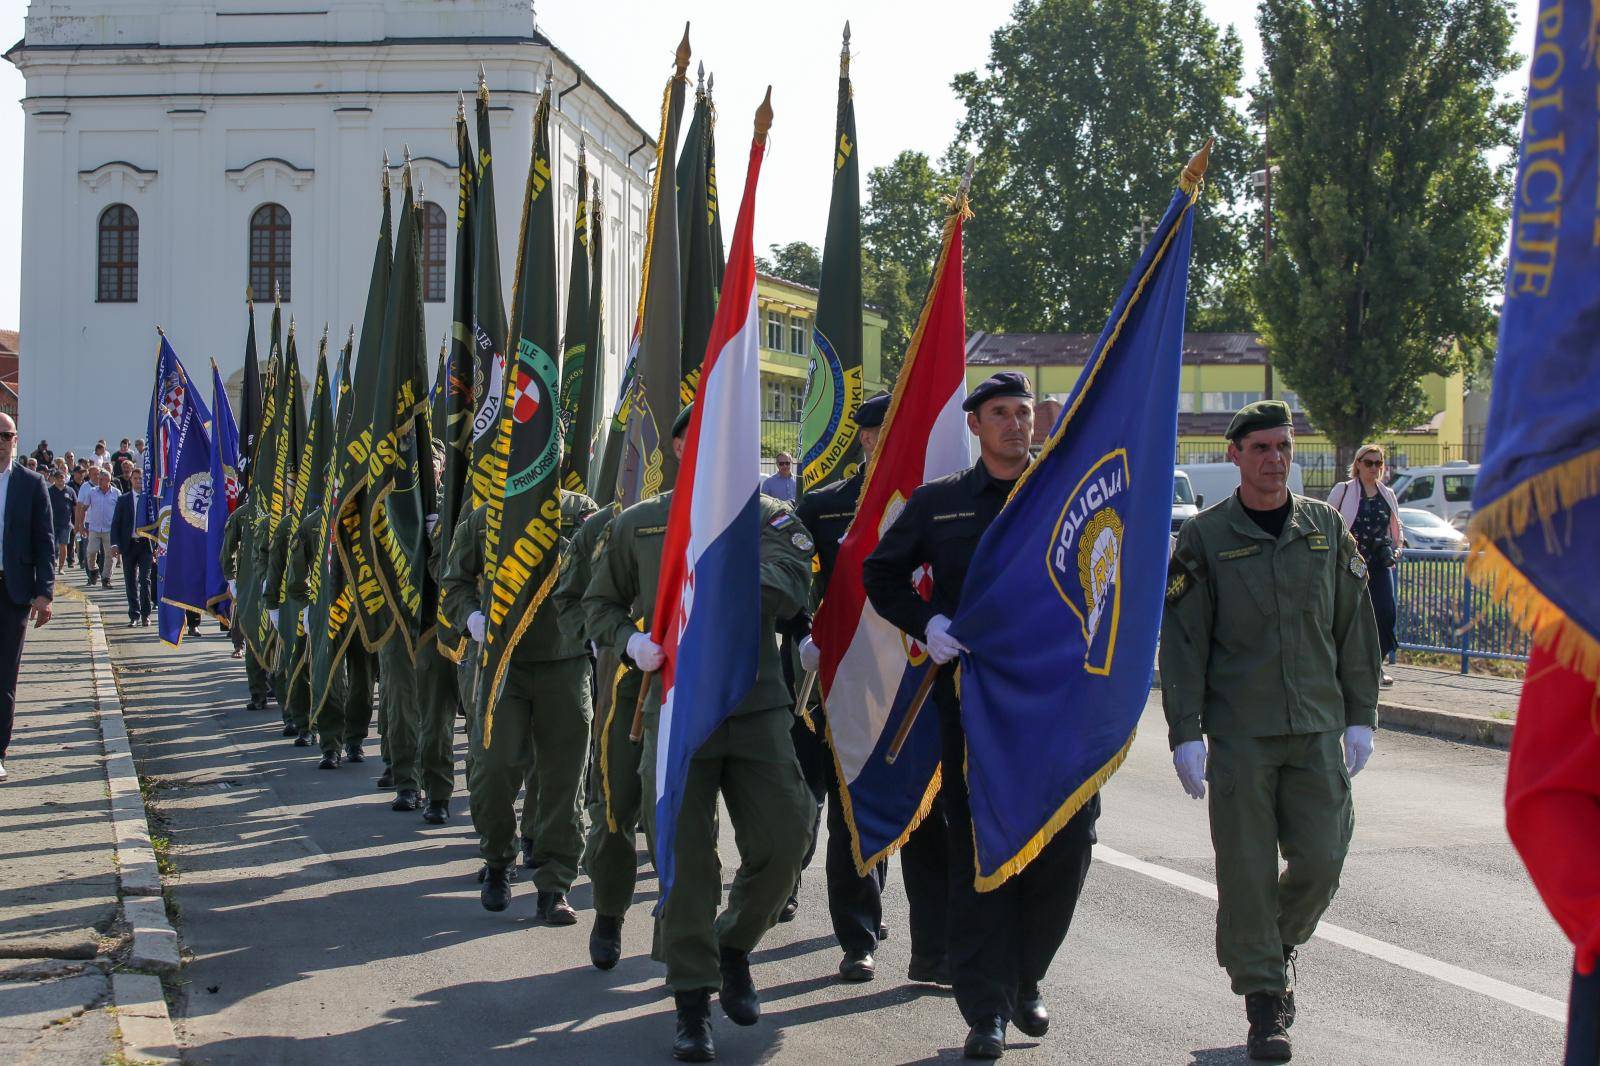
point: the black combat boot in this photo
(302, 738)
(554, 908)
(406, 800)
(330, 760)
(289, 730)
(1031, 1017)
(739, 1000)
(693, 1042)
(386, 779)
(353, 752)
(858, 966)
(986, 1039)
(605, 941)
(528, 861)
(496, 892)
(1269, 1037)
(438, 812)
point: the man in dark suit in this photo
(138, 559)
(27, 569)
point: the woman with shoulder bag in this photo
(1372, 514)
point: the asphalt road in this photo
(326, 929)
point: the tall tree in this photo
(1389, 215)
(1086, 109)
(796, 261)
(904, 215)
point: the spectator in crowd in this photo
(26, 549)
(138, 559)
(101, 457)
(781, 486)
(138, 453)
(76, 480)
(62, 503)
(43, 453)
(71, 460)
(123, 452)
(1372, 514)
(32, 464)
(96, 506)
(122, 475)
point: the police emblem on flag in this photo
(1084, 557)
(534, 452)
(194, 499)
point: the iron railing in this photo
(1440, 610)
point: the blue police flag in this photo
(186, 505)
(1062, 603)
(171, 394)
(225, 493)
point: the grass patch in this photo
(1502, 668)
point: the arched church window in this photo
(269, 251)
(434, 230)
(118, 255)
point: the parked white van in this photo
(1444, 490)
(1211, 483)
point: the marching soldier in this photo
(1269, 649)
(439, 697)
(749, 759)
(284, 610)
(237, 568)
(541, 730)
(1001, 942)
(328, 723)
(855, 903)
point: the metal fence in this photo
(1319, 461)
(1439, 610)
(778, 435)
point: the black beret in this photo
(1263, 414)
(871, 413)
(1005, 383)
(680, 425)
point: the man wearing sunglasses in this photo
(27, 560)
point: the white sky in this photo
(905, 53)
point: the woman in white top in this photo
(1372, 515)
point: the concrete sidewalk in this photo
(1462, 706)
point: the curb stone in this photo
(141, 1006)
(1476, 728)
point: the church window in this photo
(433, 261)
(119, 255)
(269, 251)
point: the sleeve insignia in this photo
(781, 519)
(1178, 583)
(1358, 566)
(801, 541)
(600, 544)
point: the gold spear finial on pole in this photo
(683, 53)
(249, 296)
(483, 84)
(764, 117)
(277, 293)
(844, 52)
(1195, 170)
(700, 77)
(549, 75)
(383, 175)
(461, 107)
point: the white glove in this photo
(1357, 748)
(475, 625)
(430, 521)
(272, 616)
(305, 614)
(1189, 759)
(810, 655)
(645, 652)
(233, 589)
(942, 647)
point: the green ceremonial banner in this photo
(699, 241)
(254, 543)
(829, 450)
(523, 526)
(488, 316)
(577, 368)
(309, 488)
(331, 599)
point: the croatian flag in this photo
(713, 539)
(876, 669)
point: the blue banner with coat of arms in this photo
(1062, 603)
(186, 504)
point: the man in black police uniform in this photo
(855, 903)
(1001, 942)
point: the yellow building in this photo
(1221, 373)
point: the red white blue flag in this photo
(711, 642)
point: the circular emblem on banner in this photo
(1084, 556)
(194, 499)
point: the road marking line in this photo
(1348, 938)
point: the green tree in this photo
(1086, 113)
(904, 212)
(796, 261)
(886, 289)
(1388, 214)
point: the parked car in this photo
(1443, 490)
(1426, 530)
(1185, 504)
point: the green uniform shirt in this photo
(233, 554)
(577, 568)
(462, 583)
(302, 553)
(278, 565)
(1265, 637)
(628, 570)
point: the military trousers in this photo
(327, 721)
(1002, 942)
(399, 714)
(611, 854)
(255, 676)
(297, 679)
(749, 759)
(1271, 794)
(345, 716)
(855, 903)
(439, 699)
(541, 720)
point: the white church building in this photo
(179, 151)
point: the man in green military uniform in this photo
(440, 701)
(610, 854)
(749, 759)
(302, 556)
(238, 566)
(541, 721)
(1269, 650)
(284, 610)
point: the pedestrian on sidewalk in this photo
(1276, 701)
(43, 453)
(122, 453)
(782, 485)
(138, 560)
(1371, 512)
(96, 507)
(27, 552)
(62, 501)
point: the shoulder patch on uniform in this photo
(1358, 566)
(1239, 553)
(781, 519)
(801, 541)
(600, 544)
(1317, 542)
(954, 514)
(649, 531)
(1178, 582)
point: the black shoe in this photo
(693, 1042)
(986, 1040)
(353, 753)
(132, 622)
(1290, 956)
(330, 761)
(107, 584)
(738, 997)
(145, 622)
(528, 861)
(386, 779)
(1031, 1019)
(554, 908)
(929, 970)
(290, 731)
(438, 812)
(302, 738)
(496, 892)
(255, 705)
(883, 931)
(194, 631)
(605, 941)
(858, 966)
(406, 800)
(1269, 1037)
(789, 909)
(483, 873)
